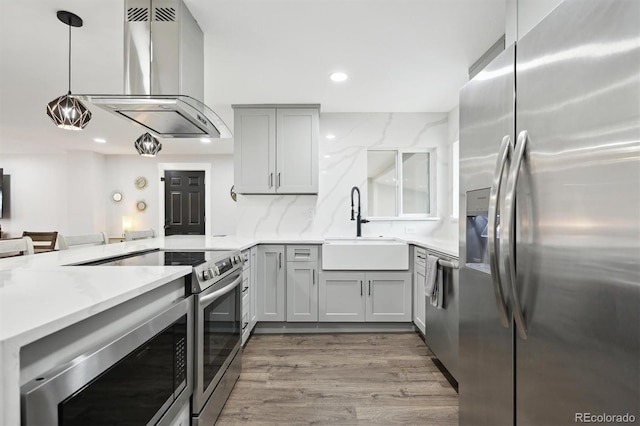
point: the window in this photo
(401, 183)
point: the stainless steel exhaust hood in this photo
(164, 73)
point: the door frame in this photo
(206, 167)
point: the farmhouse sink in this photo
(365, 254)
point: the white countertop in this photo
(183, 242)
(37, 302)
(39, 295)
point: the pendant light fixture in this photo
(66, 111)
(147, 145)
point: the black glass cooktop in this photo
(167, 258)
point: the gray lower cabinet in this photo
(302, 291)
(246, 302)
(419, 281)
(341, 296)
(388, 296)
(247, 294)
(365, 296)
(253, 281)
(271, 278)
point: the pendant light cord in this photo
(69, 59)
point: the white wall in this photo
(328, 213)
(70, 192)
(122, 170)
(54, 192)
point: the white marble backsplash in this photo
(343, 164)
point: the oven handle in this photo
(205, 300)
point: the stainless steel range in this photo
(215, 284)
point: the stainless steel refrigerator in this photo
(550, 224)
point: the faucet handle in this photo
(364, 221)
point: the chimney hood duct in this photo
(163, 73)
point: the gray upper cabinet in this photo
(276, 149)
(255, 150)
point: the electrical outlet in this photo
(310, 214)
(409, 229)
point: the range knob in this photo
(238, 259)
(206, 274)
(215, 271)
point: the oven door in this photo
(218, 333)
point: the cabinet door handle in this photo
(280, 259)
(313, 277)
(278, 179)
(245, 325)
(244, 290)
(270, 180)
(369, 287)
(360, 287)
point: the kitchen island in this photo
(45, 294)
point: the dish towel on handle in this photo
(432, 276)
(434, 286)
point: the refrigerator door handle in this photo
(505, 153)
(507, 242)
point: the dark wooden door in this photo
(184, 202)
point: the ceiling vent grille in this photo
(165, 14)
(137, 14)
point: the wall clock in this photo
(141, 182)
(116, 196)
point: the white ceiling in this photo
(401, 56)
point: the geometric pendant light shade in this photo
(66, 111)
(147, 145)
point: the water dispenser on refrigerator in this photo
(477, 255)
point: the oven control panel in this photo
(206, 274)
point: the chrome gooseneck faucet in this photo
(358, 219)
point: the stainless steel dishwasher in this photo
(441, 324)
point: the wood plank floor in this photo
(340, 379)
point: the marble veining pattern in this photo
(328, 213)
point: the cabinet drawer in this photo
(246, 256)
(245, 300)
(302, 253)
(246, 329)
(420, 257)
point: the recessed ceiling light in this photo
(205, 140)
(100, 140)
(338, 77)
(323, 172)
(331, 136)
(327, 156)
